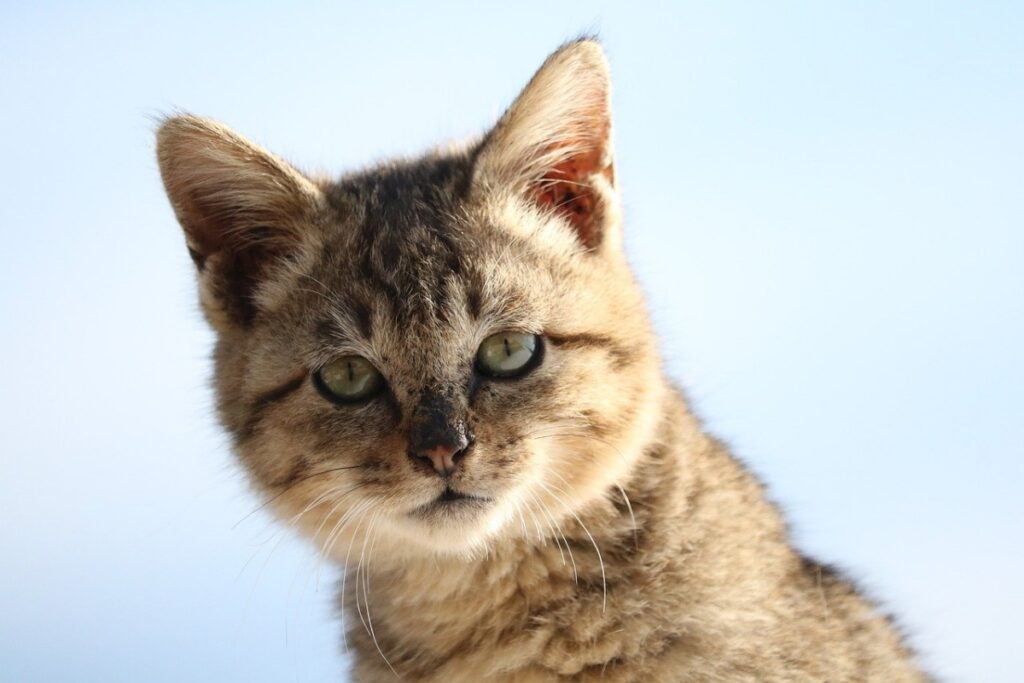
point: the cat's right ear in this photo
(553, 146)
(244, 211)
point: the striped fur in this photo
(619, 541)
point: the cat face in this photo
(433, 353)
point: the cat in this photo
(442, 371)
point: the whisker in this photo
(604, 579)
(344, 579)
(280, 533)
(290, 486)
(556, 530)
(625, 497)
(522, 520)
(632, 517)
(328, 545)
(366, 593)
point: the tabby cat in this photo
(442, 371)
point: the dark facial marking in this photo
(265, 400)
(474, 294)
(197, 258)
(409, 246)
(437, 420)
(621, 356)
(299, 469)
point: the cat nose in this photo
(444, 457)
(439, 434)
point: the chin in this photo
(452, 525)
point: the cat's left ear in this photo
(553, 146)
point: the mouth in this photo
(451, 500)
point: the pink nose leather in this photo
(442, 458)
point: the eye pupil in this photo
(508, 354)
(349, 379)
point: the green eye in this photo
(348, 379)
(508, 354)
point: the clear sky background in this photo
(824, 202)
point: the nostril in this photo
(421, 459)
(460, 454)
(443, 458)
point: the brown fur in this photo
(617, 540)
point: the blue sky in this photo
(824, 202)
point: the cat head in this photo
(444, 349)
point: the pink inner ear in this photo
(567, 190)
